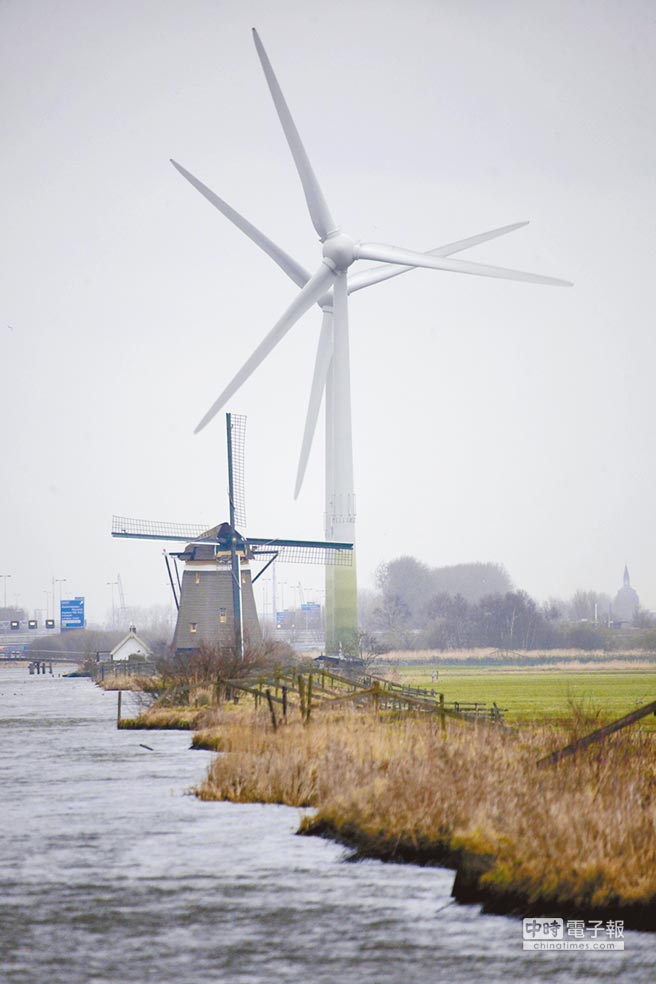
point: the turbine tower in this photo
(329, 287)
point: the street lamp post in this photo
(59, 581)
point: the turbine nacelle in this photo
(339, 252)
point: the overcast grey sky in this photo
(492, 420)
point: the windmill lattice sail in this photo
(237, 424)
(326, 552)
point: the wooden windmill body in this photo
(206, 612)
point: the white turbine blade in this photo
(376, 275)
(313, 290)
(322, 220)
(406, 257)
(287, 263)
(321, 367)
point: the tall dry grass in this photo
(483, 655)
(581, 835)
(125, 681)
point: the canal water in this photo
(110, 871)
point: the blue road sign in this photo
(71, 613)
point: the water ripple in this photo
(110, 873)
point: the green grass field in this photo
(540, 694)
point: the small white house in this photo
(129, 647)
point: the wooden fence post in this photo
(118, 709)
(309, 699)
(597, 735)
(273, 713)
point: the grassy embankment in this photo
(176, 717)
(188, 709)
(579, 837)
(164, 719)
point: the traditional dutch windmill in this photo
(329, 287)
(214, 597)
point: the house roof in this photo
(132, 634)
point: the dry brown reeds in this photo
(475, 657)
(578, 837)
(124, 681)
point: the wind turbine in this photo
(329, 287)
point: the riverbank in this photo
(574, 839)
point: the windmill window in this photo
(222, 615)
(193, 627)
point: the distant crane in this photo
(122, 609)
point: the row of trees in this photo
(12, 612)
(475, 605)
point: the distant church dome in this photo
(626, 602)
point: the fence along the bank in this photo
(322, 688)
(597, 735)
